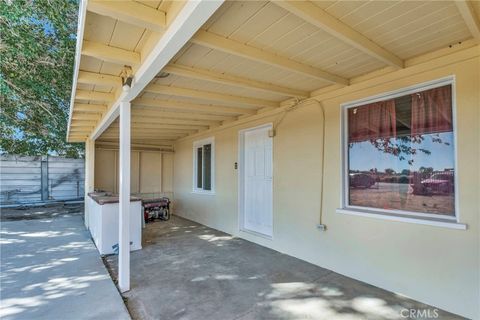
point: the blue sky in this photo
(45, 23)
(364, 156)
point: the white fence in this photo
(26, 180)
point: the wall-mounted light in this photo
(127, 77)
(162, 74)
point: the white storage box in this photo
(103, 219)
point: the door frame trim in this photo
(241, 182)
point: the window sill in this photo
(208, 193)
(416, 220)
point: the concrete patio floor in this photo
(50, 269)
(188, 271)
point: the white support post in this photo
(89, 175)
(124, 201)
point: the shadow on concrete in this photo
(189, 271)
(50, 269)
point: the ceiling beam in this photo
(77, 139)
(139, 141)
(110, 54)
(137, 133)
(148, 135)
(94, 96)
(471, 20)
(86, 116)
(206, 95)
(99, 79)
(81, 129)
(192, 107)
(140, 129)
(134, 145)
(90, 108)
(314, 15)
(174, 121)
(146, 138)
(149, 113)
(189, 17)
(164, 126)
(83, 123)
(213, 41)
(130, 12)
(151, 131)
(222, 78)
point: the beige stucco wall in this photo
(150, 171)
(436, 265)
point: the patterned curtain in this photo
(432, 111)
(372, 121)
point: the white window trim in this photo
(196, 144)
(400, 215)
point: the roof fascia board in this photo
(82, 13)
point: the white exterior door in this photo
(256, 183)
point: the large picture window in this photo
(400, 155)
(203, 164)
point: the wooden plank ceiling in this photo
(249, 56)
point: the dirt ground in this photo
(40, 212)
(395, 196)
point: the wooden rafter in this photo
(152, 141)
(90, 108)
(110, 54)
(183, 20)
(75, 138)
(206, 95)
(214, 41)
(164, 126)
(147, 135)
(192, 107)
(131, 12)
(94, 96)
(149, 113)
(168, 131)
(174, 121)
(135, 145)
(309, 12)
(471, 20)
(222, 78)
(83, 123)
(98, 79)
(139, 131)
(80, 135)
(89, 116)
(81, 129)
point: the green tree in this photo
(389, 171)
(37, 51)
